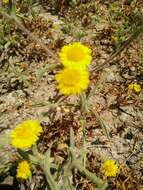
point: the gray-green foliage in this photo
(61, 179)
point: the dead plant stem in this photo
(32, 36)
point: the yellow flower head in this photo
(23, 170)
(75, 55)
(110, 168)
(134, 86)
(5, 1)
(25, 134)
(72, 81)
(131, 86)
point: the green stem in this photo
(99, 182)
(76, 164)
(49, 177)
(83, 103)
(45, 165)
(101, 123)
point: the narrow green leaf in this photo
(102, 124)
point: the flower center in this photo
(107, 168)
(23, 132)
(75, 54)
(70, 77)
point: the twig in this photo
(33, 37)
(99, 146)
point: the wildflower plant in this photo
(45, 161)
(72, 79)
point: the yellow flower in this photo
(25, 134)
(23, 170)
(5, 1)
(131, 86)
(134, 86)
(110, 168)
(137, 87)
(75, 55)
(72, 81)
